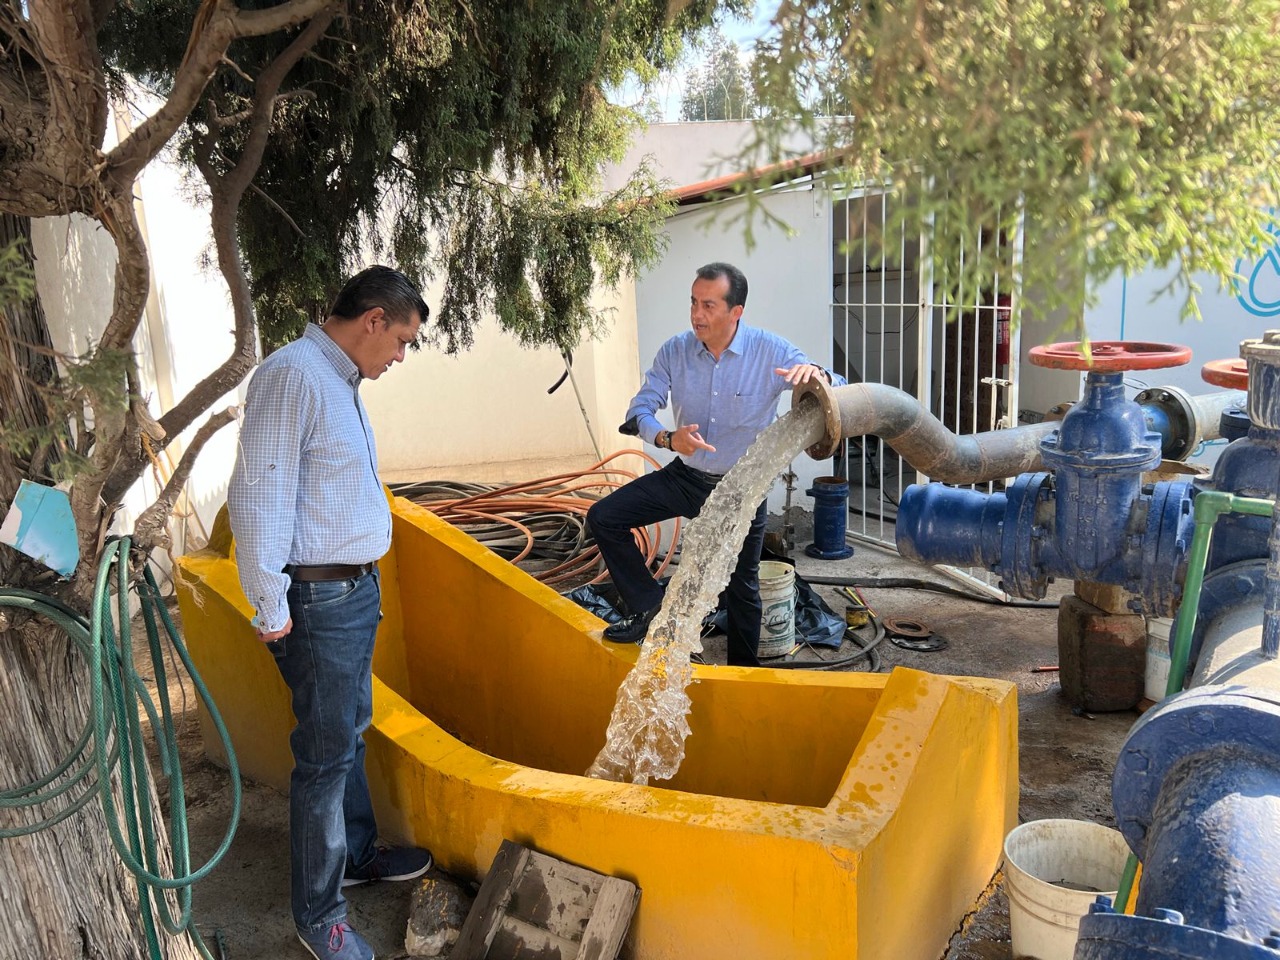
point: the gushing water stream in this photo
(649, 725)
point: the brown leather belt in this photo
(327, 571)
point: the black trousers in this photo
(677, 491)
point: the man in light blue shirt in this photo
(723, 379)
(311, 520)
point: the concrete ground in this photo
(1066, 762)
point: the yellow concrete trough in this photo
(816, 815)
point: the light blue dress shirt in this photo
(731, 399)
(305, 488)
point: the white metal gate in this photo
(889, 327)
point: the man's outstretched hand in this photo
(688, 440)
(800, 373)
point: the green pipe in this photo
(1209, 505)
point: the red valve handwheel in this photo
(1232, 373)
(1110, 355)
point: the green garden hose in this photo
(112, 741)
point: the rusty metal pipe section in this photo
(918, 436)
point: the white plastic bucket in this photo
(1043, 861)
(777, 608)
(1157, 675)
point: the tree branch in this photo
(278, 209)
(217, 24)
(226, 192)
(65, 34)
(149, 531)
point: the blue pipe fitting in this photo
(1106, 935)
(830, 519)
(1090, 519)
(1248, 467)
(941, 524)
(1196, 794)
(1233, 424)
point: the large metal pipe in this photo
(1183, 420)
(918, 436)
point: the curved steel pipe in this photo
(918, 436)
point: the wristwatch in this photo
(664, 439)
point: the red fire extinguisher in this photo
(1004, 307)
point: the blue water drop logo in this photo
(1260, 279)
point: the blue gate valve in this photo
(1090, 516)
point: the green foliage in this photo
(17, 278)
(719, 88)
(37, 417)
(464, 139)
(1121, 133)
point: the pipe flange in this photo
(1019, 566)
(1112, 936)
(1189, 723)
(905, 627)
(1241, 582)
(1170, 526)
(824, 394)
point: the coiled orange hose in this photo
(519, 507)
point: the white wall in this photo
(790, 288)
(485, 415)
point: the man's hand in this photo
(687, 440)
(276, 634)
(800, 373)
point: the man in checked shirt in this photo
(723, 379)
(310, 521)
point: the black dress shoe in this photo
(630, 629)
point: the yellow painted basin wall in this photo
(817, 815)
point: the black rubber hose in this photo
(869, 651)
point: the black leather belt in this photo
(702, 474)
(310, 573)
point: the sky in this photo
(669, 88)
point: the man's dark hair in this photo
(737, 295)
(383, 287)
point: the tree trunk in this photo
(63, 892)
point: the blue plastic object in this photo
(830, 519)
(41, 525)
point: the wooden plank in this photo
(556, 896)
(486, 913)
(518, 940)
(615, 905)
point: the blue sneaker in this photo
(338, 942)
(390, 863)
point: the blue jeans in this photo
(327, 662)
(678, 491)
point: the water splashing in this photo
(649, 725)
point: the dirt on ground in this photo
(1066, 760)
